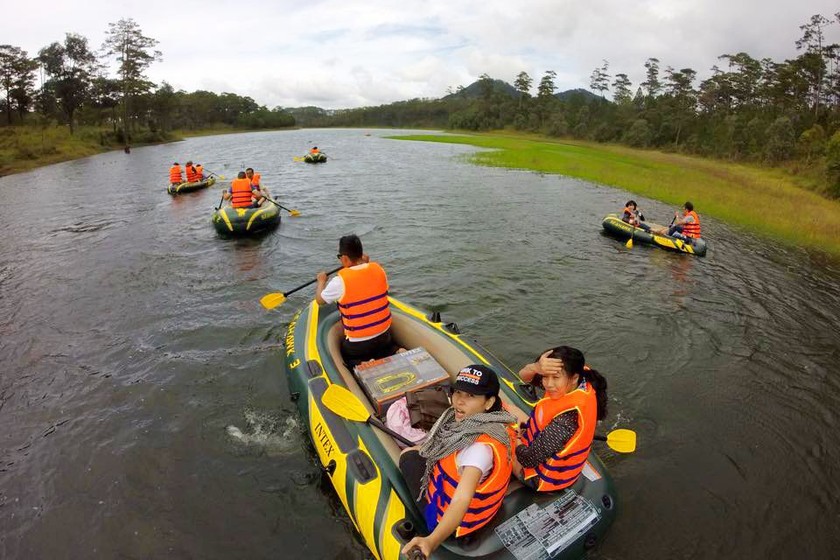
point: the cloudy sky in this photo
(341, 54)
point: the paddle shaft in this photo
(378, 423)
(302, 286)
(279, 206)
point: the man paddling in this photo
(361, 290)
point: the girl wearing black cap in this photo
(555, 442)
(462, 471)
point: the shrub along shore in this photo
(767, 201)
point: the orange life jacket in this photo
(191, 174)
(631, 216)
(199, 171)
(255, 179)
(364, 306)
(240, 190)
(563, 468)
(314, 151)
(488, 495)
(175, 175)
(692, 229)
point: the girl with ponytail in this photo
(555, 442)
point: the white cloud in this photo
(338, 54)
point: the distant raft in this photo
(315, 158)
(246, 221)
(190, 187)
(617, 227)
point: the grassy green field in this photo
(763, 200)
(27, 147)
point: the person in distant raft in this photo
(555, 442)
(314, 150)
(175, 177)
(361, 290)
(255, 179)
(460, 475)
(241, 194)
(190, 172)
(633, 216)
(687, 226)
(199, 171)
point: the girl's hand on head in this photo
(550, 365)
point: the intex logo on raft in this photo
(469, 375)
(323, 438)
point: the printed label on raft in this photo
(516, 538)
(540, 533)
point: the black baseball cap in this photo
(477, 379)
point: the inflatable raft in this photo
(315, 158)
(246, 221)
(615, 226)
(190, 187)
(362, 462)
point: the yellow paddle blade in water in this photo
(345, 404)
(272, 300)
(629, 243)
(294, 212)
(297, 158)
(622, 440)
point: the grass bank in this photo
(26, 147)
(766, 201)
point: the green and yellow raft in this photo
(190, 187)
(315, 158)
(362, 461)
(246, 221)
(617, 227)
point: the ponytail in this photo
(575, 363)
(599, 383)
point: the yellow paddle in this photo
(347, 405)
(621, 440)
(629, 243)
(297, 158)
(272, 300)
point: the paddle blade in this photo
(294, 212)
(629, 243)
(297, 158)
(272, 300)
(622, 440)
(345, 404)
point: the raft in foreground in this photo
(246, 221)
(363, 463)
(617, 227)
(190, 187)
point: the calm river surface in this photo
(143, 410)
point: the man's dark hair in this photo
(689, 206)
(351, 246)
(241, 175)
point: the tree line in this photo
(75, 89)
(748, 109)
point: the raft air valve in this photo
(405, 529)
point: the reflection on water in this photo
(144, 413)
